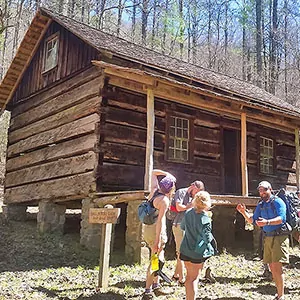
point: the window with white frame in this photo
(266, 155)
(179, 139)
(51, 53)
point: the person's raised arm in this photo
(241, 208)
(154, 181)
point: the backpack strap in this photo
(155, 195)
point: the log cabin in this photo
(92, 114)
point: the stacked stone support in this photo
(224, 226)
(15, 212)
(257, 239)
(51, 217)
(135, 250)
(89, 233)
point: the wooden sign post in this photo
(105, 216)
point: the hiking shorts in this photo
(150, 235)
(178, 235)
(276, 249)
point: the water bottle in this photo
(154, 263)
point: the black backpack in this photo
(292, 203)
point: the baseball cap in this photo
(166, 184)
(198, 184)
(264, 184)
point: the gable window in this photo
(179, 139)
(266, 163)
(51, 53)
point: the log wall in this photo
(123, 142)
(52, 145)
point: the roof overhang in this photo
(188, 94)
(23, 57)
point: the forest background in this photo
(253, 40)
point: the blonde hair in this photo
(202, 201)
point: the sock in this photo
(147, 291)
(155, 285)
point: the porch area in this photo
(224, 221)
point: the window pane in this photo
(177, 154)
(179, 122)
(171, 143)
(266, 155)
(172, 121)
(178, 138)
(179, 132)
(185, 134)
(185, 155)
(172, 131)
(51, 52)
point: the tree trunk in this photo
(259, 42)
(153, 36)
(120, 12)
(181, 29)
(144, 21)
(274, 48)
(133, 27)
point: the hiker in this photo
(183, 201)
(155, 235)
(270, 214)
(198, 243)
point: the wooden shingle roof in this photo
(118, 47)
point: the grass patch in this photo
(58, 267)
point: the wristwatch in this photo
(268, 222)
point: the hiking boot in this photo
(162, 291)
(148, 296)
(208, 276)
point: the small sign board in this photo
(104, 215)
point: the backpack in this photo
(292, 203)
(147, 213)
(172, 210)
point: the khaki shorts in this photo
(150, 235)
(178, 235)
(276, 249)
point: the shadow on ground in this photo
(98, 295)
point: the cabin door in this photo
(232, 162)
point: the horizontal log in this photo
(201, 166)
(125, 154)
(69, 115)
(132, 118)
(286, 164)
(130, 136)
(252, 143)
(207, 134)
(76, 128)
(63, 101)
(206, 149)
(76, 186)
(60, 168)
(56, 90)
(73, 147)
(118, 198)
(286, 151)
(228, 200)
(123, 175)
(207, 119)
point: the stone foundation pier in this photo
(15, 212)
(51, 217)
